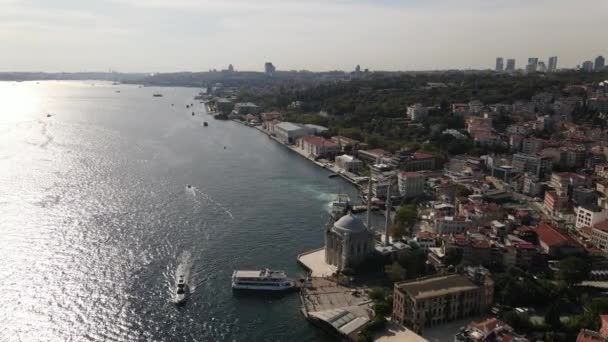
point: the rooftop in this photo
(288, 126)
(551, 236)
(319, 141)
(603, 226)
(436, 286)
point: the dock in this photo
(314, 262)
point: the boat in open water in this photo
(262, 280)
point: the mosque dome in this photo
(349, 224)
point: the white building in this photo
(450, 225)
(599, 235)
(316, 146)
(425, 240)
(349, 163)
(588, 217)
(411, 184)
(288, 132)
(417, 112)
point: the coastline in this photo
(328, 166)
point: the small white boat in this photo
(182, 290)
(262, 280)
(340, 206)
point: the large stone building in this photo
(348, 242)
(435, 300)
(317, 147)
(288, 132)
(411, 184)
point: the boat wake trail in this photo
(214, 202)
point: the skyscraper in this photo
(532, 64)
(587, 66)
(230, 68)
(499, 64)
(542, 67)
(269, 68)
(552, 64)
(510, 65)
(599, 63)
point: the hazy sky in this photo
(173, 35)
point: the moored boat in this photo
(262, 280)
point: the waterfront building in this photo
(224, 105)
(510, 65)
(316, 129)
(348, 144)
(417, 112)
(244, 108)
(349, 163)
(599, 63)
(317, 147)
(435, 300)
(348, 242)
(499, 64)
(552, 64)
(411, 184)
(288, 132)
(373, 156)
(269, 116)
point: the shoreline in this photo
(328, 166)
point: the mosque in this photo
(348, 242)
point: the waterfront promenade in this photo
(326, 164)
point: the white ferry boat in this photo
(262, 280)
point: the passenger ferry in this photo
(262, 280)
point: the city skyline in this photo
(167, 36)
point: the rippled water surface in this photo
(95, 215)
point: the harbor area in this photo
(342, 311)
(314, 262)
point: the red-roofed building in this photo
(557, 243)
(589, 336)
(317, 147)
(269, 116)
(490, 330)
(604, 327)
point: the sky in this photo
(317, 35)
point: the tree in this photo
(397, 231)
(573, 270)
(376, 294)
(395, 271)
(552, 316)
(406, 216)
